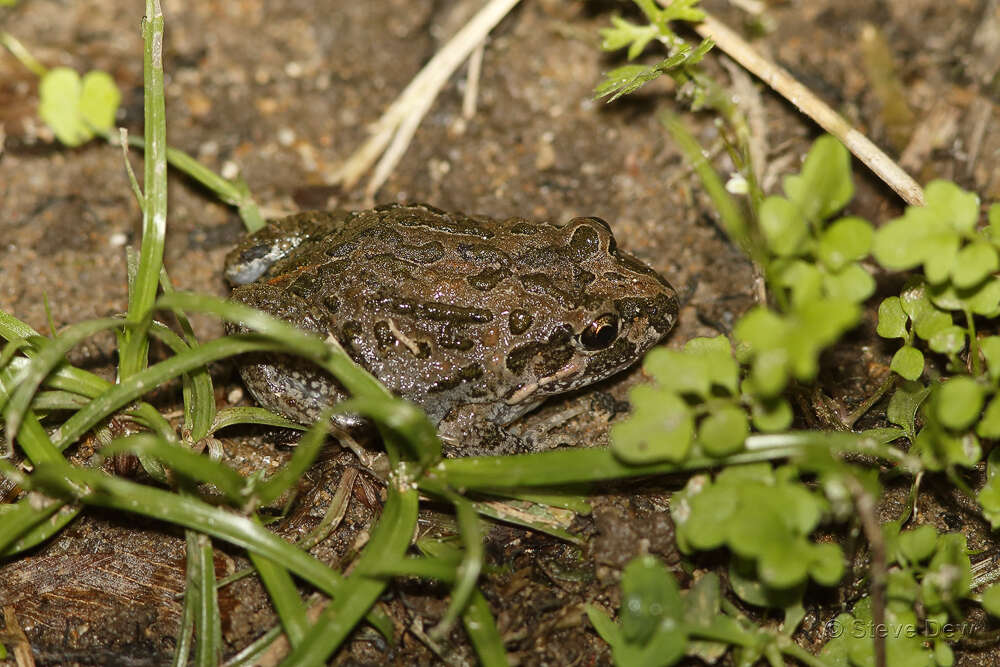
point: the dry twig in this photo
(785, 85)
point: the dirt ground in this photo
(283, 90)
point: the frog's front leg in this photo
(472, 430)
(258, 252)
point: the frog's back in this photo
(448, 309)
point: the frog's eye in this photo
(600, 333)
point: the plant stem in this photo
(19, 51)
(808, 103)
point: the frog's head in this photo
(613, 308)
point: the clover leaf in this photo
(824, 185)
(652, 632)
(784, 227)
(933, 235)
(959, 401)
(660, 428)
(891, 318)
(73, 108)
(989, 496)
(846, 240)
(908, 362)
(764, 517)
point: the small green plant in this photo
(623, 33)
(712, 400)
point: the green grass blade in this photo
(305, 453)
(12, 328)
(20, 523)
(133, 387)
(251, 653)
(34, 441)
(403, 421)
(468, 570)
(565, 466)
(52, 400)
(184, 635)
(284, 596)
(355, 379)
(132, 357)
(389, 541)
(543, 522)
(196, 467)
(234, 193)
(199, 396)
(729, 213)
(250, 415)
(483, 633)
(95, 488)
(420, 566)
(207, 624)
(42, 364)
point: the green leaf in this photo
(625, 33)
(99, 100)
(958, 208)
(918, 544)
(606, 628)
(760, 328)
(908, 362)
(941, 256)
(745, 583)
(720, 366)
(904, 404)
(824, 185)
(75, 108)
(991, 600)
(770, 372)
(993, 215)
(678, 371)
(989, 425)
(897, 244)
(804, 279)
(679, 10)
(982, 299)
(990, 347)
(975, 261)
(891, 318)
(724, 431)
(943, 654)
(772, 415)
(959, 402)
(629, 78)
(949, 575)
(950, 340)
(786, 566)
(705, 524)
(649, 595)
(783, 225)
(660, 428)
(59, 105)
(851, 284)
(826, 564)
(846, 240)
(989, 496)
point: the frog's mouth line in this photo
(527, 390)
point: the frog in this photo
(477, 320)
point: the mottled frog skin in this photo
(476, 320)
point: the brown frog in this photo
(474, 319)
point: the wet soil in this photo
(282, 91)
